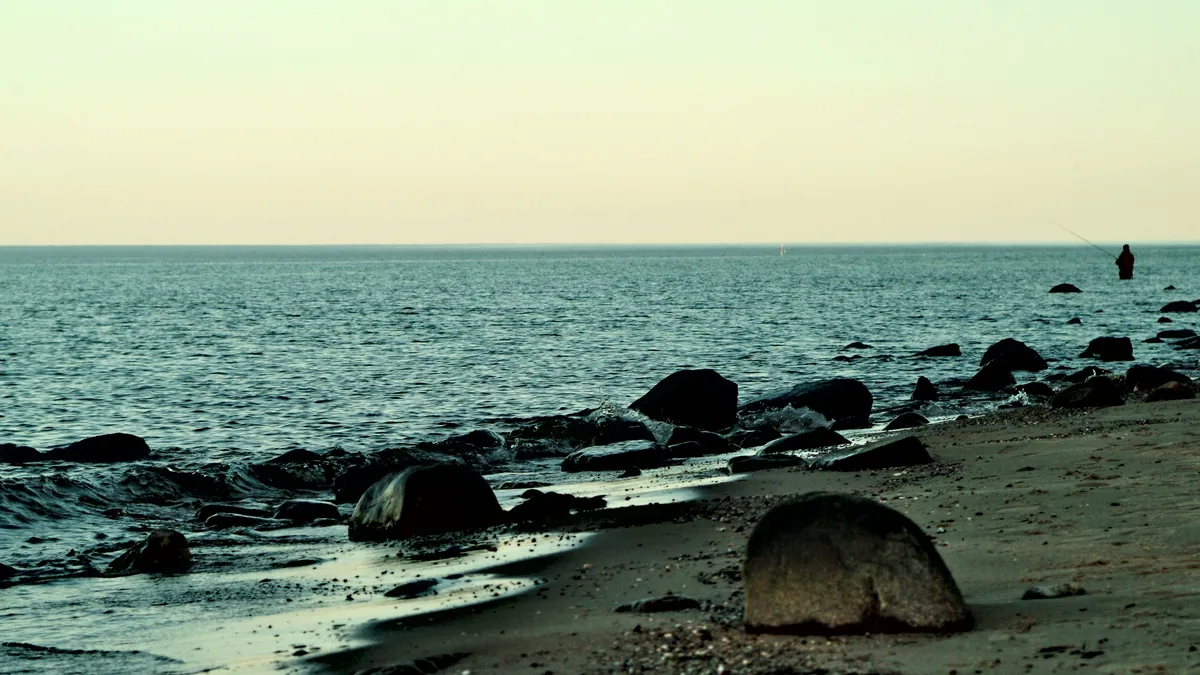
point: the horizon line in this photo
(597, 244)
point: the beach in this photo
(1103, 499)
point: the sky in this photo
(598, 121)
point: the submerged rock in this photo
(829, 563)
(1178, 306)
(1165, 319)
(1012, 355)
(951, 349)
(306, 510)
(1074, 321)
(992, 377)
(1096, 392)
(892, 453)
(18, 454)
(1109, 349)
(162, 551)
(843, 400)
(747, 464)
(696, 398)
(1171, 391)
(105, 449)
(907, 420)
(808, 440)
(1065, 288)
(925, 390)
(856, 345)
(618, 457)
(425, 500)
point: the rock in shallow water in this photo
(306, 510)
(1109, 349)
(807, 440)
(1065, 288)
(1171, 391)
(1096, 392)
(709, 443)
(907, 451)
(951, 349)
(163, 551)
(697, 398)
(618, 457)
(829, 563)
(208, 510)
(1012, 354)
(925, 390)
(1178, 306)
(425, 500)
(844, 400)
(907, 420)
(18, 454)
(992, 377)
(104, 449)
(762, 463)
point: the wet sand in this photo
(1104, 499)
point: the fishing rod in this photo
(1086, 241)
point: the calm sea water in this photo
(262, 349)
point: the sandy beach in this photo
(1103, 499)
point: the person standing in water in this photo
(1125, 263)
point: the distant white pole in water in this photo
(781, 249)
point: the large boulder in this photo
(696, 398)
(828, 563)
(618, 457)
(925, 390)
(907, 420)
(1179, 306)
(841, 399)
(891, 453)
(425, 500)
(709, 443)
(808, 440)
(18, 454)
(104, 449)
(1065, 288)
(1097, 392)
(163, 551)
(1171, 391)
(1109, 349)
(1147, 378)
(951, 349)
(1013, 355)
(992, 377)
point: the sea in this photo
(238, 354)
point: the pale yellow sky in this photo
(446, 121)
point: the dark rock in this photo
(521, 484)
(807, 440)
(1081, 375)
(425, 500)
(209, 510)
(1013, 355)
(306, 510)
(709, 442)
(951, 349)
(1178, 306)
(1176, 334)
(1065, 288)
(925, 390)
(907, 420)
(752, 438)
(1165, 319)
(1036, 389)
(1075, 321)
(666, 603)
(298, 562)
(891, 453)
(477, 443)
(696, 398)
(104, 449)
(847, 359)
(1188, 343)
(1170, 288)
(297, 456)
(631, 472)
(746, 464)
(552, 505)
(559, 435)
(838, 564)
(1097, 392)
(1109, 349)
(617, 457)
(18, 454)
(162, 551)
(685, 450)
(1171, 391)
(992, 377)
(165, 485)
(1154, 341)
(221, 521)
(413, 589)
(1051, 592)
(1146, 378)
(856, 345)
(351, 481)
(840, 399)
(6, 571)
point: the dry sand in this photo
(1106, 499)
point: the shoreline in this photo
(1017, 499)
